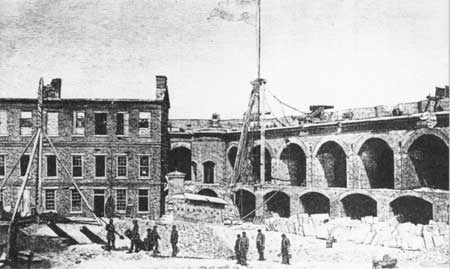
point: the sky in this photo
(346, 53)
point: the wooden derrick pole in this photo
(69, 175)
(10, 248)
(17, 162)
(39, 179)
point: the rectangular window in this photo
(78, 123)
(24, 164)
(143, 201)
(49, 200)
(76, 201)
(26, 123)
(51, 166)
(2, 165)
(100, 123)
(52, 124)
(121, 198)
(122, 124)
(100, 166)
(77, 166)
(121, 166)
(144, 166)
(144, 124)
(3, 122)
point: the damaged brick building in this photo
(116, 150)
(379, 161)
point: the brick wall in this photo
(90, 145)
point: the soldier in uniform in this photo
(134, 237)
(244, 249)
(285, 246)
(237, 249)
(110, 235)
(174, 240)
(260, 241)
(155, 238)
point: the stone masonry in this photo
(382, 161)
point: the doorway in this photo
(99, 203)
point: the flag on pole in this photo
(235, 10)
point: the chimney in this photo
(215, 120)
(53, 90)
(161, 87)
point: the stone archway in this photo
(278, 202)
(294, 160)
(378, 160)
(429, 156)
(232, 153)
(315, 203)
(333, 161)
(255, 161)
(357, 206)
(412, 209)
(180, 160)
(207, 192)
(246, 204)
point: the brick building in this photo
(380, 161)
(116, 150)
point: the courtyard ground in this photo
(210, 246)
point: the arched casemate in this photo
(293, 159)
(333, 162)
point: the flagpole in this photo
(261, 82)
(258, 30)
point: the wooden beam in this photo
(17, 162)
(27, 173)
(22, 188)
(68, 174)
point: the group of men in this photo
(150, 243)
(242, 244)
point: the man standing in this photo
(285, 245)
(244, 249)
(134, 237)
(237, 249)
(110, 235)
(148, 240)
(174, 240)
(260, 241)
(155, 238)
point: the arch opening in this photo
(429, 155)
(279, 203)
(294, 158)
(208, 172)
(180, 160)
(378, 161)
(255, 161)
(207, 192)
(412, 209)
(358, 205)
(232, 153)
(315, 203)
(246, 204)
(333, 160)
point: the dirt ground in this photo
(210, 246)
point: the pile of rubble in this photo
(368, 231)
(195, 240)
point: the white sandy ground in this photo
(307, 252)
